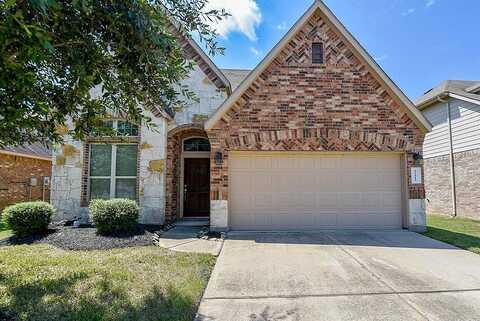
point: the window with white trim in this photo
(113, 171)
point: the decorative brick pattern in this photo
(295, 105)
(15, 175)
(438, 184)
(174, 151)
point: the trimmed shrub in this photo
(28, 218)
(114, 216)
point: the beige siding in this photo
(465, 128)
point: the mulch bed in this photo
(86, 238)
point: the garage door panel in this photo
(351, 200)
(327, 181)
(327, 162)
(263, 201)
(372, 199)
(263, 182)
(390, 180)
(327, 200)
(391, 200)
(306, 201)
(305, 163)
(285, 162)
(242, 183)
(240, 162)
(282, 182)
(263, 162)
(325, 220)
(243, 201)
(314, 191)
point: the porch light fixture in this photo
(218, 158)
(417, 157)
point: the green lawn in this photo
(4, 230)
(43, 283)
(461, 232)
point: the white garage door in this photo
(295, 191)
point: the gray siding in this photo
(465, 128)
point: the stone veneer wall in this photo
(438, 184)
(295, 105)
(70, 175)
(208, 98)
(15, 174)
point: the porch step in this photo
(200, 222)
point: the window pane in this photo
(99, 188)
(106, 129)
(196, 145)
(127, 129)
(126, 160)
(126, 188)
(100, 160)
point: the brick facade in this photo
(15, 175)
(295, 105)
(438, 184)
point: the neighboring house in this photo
(25, 173)
(452, 150)
(316, 136)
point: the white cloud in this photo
(381, 58)
(244, 17)
(282, 26)
(430, 3)
(408, 12)
(255, 51)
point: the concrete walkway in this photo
(394, 275)
(185, 239)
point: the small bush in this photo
(28, 218)
(114, 216)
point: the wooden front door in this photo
(196, 187)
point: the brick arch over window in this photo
(174, 153)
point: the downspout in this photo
(451, 156)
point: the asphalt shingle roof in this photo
(35, 150)
(459, 87)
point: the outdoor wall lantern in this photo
(218, 158)
(417, 157)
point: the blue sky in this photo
(418, 43)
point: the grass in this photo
(4, 230)
(43, 283)
(461, 232)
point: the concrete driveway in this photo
(391, 275)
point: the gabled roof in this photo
(193, 51)
(236, 76)
(460, 89)
(36, 150)
(474, 89)
(359, 50)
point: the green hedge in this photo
(114, 216)
(28, 218)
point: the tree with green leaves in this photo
(54, 52)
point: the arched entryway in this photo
(188, 173)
